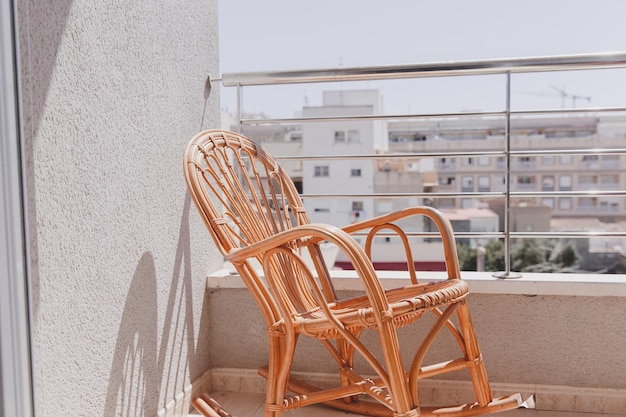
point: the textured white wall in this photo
(112, 92)
(574, 341)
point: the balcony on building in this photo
(535, 191)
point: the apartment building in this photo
(547, 172)
(544, 164)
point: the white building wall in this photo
(320, 139)
(111, 93)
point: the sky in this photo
(287, 35)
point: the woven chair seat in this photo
(406, 305)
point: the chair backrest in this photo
(242, 193)
(244, 196)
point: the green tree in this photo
(467, 257)
(494, 256)
(568, 255)
(527, 254)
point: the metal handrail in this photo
(416, 116)
(436, 69)
(507, 66)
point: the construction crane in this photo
(560, 92)
(574, 97)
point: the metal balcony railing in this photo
(508, 158)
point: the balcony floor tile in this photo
(243, 404)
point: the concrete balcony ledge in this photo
(594, 285)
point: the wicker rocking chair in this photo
(256, 217)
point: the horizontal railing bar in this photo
(457, 235)
(406, 195)
(537, 152)
(521, 235)
(368, 117)
(587, 193)
(435, 69)
(390, 155)
(580, 234)
(429, 116)
(544, 112)
(583, 151)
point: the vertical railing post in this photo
(507, 197)
(239, 107)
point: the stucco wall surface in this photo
(111, 93)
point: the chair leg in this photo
(346, 351)
(476, 367)
(398, 383)
(282, 348)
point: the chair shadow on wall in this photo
(143, 361)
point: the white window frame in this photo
(16, 394)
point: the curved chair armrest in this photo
(442, 223)
(323, 232)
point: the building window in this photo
(565, 182)
(466, 162)
(548, 160)
(484, 183)
(548, 201)
(321, 171)
(610, 161)
(321, 210)
(355, 172)
(565, 203)
(484, 161)
(525, 180)
(547, 183)
(609, 204)
(347, 136)
(446, 180)
(565, 159)
(610, 182)
(353, 136)
(357, 206)
(467, 183)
